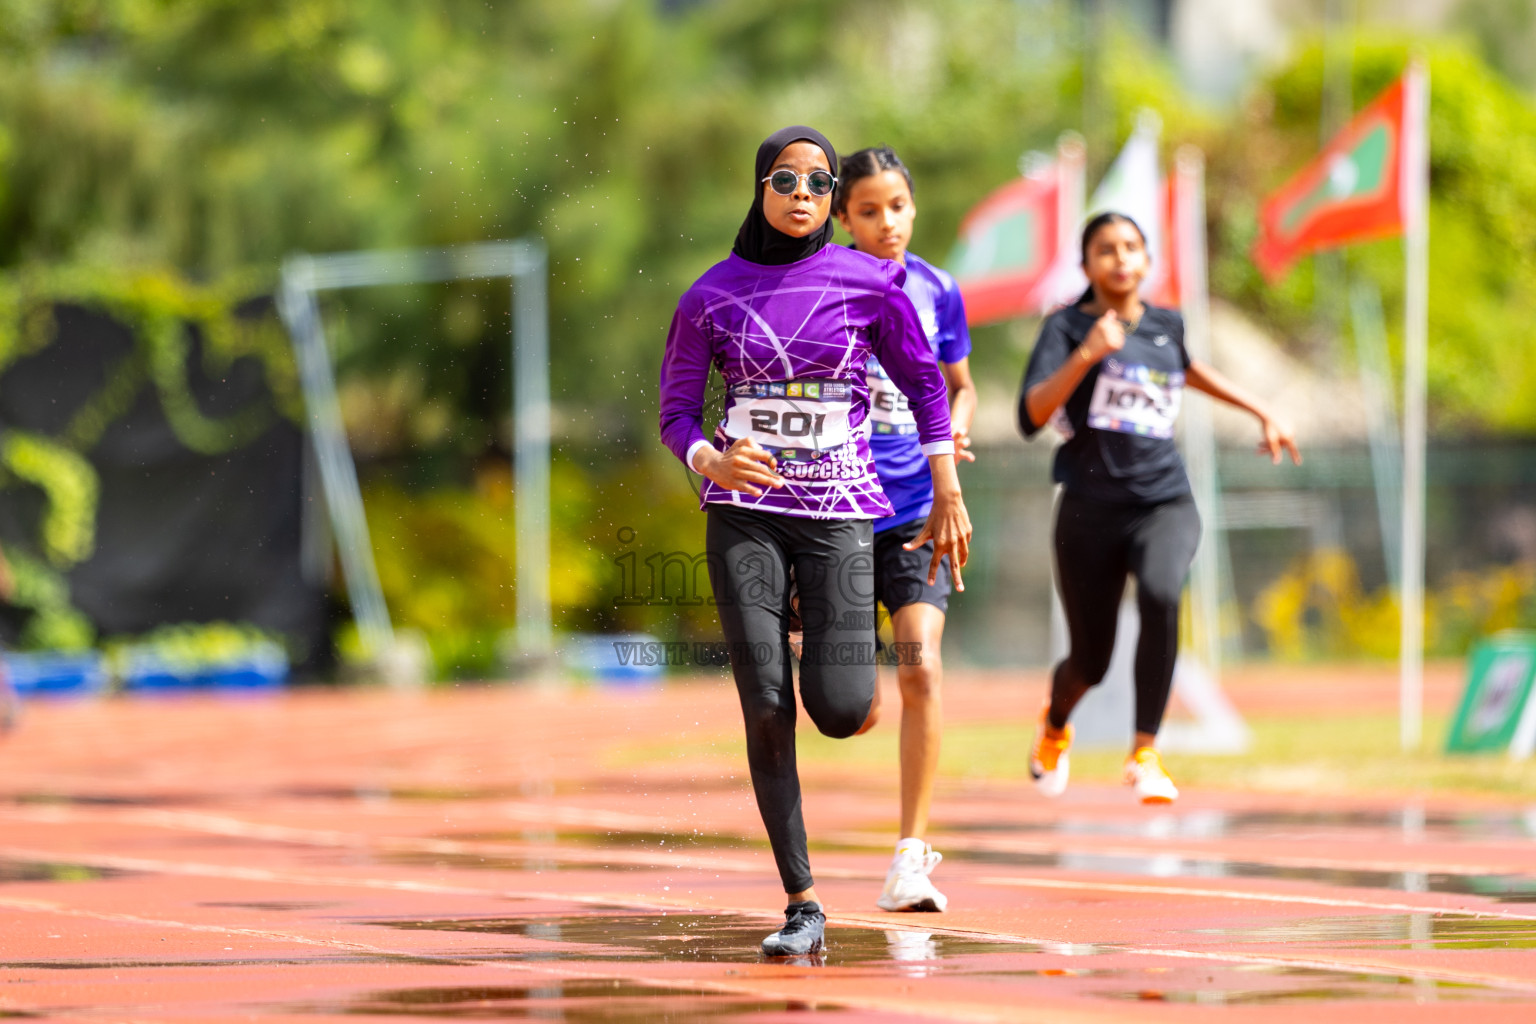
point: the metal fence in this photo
(1481, 516)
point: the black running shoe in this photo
(804, 927)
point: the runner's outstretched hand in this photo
(741, 466)
(962, 447)
(1278, 438)
(948, 525)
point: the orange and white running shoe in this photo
(1049, 764)
(1144, 770)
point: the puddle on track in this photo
(1504, 888)
(1413, 822)
(666, 842)
(129, 964)
(614, 935)
(605, 1000)
(1291, 986)
(1391, 931)
(54, 871)
(104, 799)
(616, 999)
(1501, 888)
(495, 862)
(608, 934)
(274, 905)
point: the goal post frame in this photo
(524, 262)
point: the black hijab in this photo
(761, 242)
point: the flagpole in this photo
(1071, 197)
(1199, 433)
(1415, 194)
(1071, 194)
(1072, 158)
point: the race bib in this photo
(796, 419)
(1134, 399)
(889, 410)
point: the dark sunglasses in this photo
(817, 183)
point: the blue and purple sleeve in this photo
(684, 376)
(907, 358)
(954, 335)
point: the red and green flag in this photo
(1352, 192)
(1007, 248)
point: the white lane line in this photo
(1257, 897)
(1163, 848)
(772, 987)
(199, 870)
(239, 828)
(566, 971)
(224, 825)
(1344, 967)
(49, 907)
(227, 825)
(278, 877)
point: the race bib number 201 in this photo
(1135, 399)
(798, 419)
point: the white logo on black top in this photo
(1160, 340)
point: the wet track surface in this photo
(369, 856)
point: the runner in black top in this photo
(1109, 373)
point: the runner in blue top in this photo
(874, 204)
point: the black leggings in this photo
(1097, 545)
(750, 555)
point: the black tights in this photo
(1097, 545)
(750, 555)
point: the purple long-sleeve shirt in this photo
(791, 342)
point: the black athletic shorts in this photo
(901, 577)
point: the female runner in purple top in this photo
(790, 322)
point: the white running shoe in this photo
(1144, 770)
(1049, 764)
(906, 885)
(905, 945)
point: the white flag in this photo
(1133, 185)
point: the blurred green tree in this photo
(216, 136)
(211, 138)
(1482, 376)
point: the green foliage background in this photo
(203, 140)
(161, 310)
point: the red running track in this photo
(512, 853)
